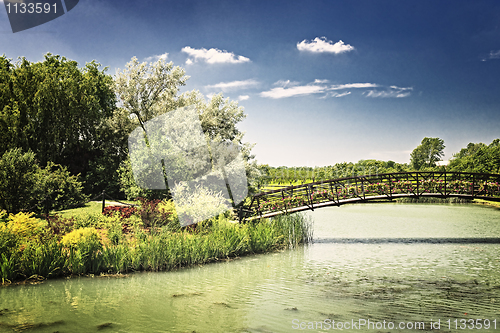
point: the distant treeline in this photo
(476, 157)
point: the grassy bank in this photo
(448, 201)
(487, 203)
(32, 248)
(433, 200)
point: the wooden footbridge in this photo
(336, 192)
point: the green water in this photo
(373, 262)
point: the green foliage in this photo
(57, 189)
(24, 185)
(62, 114)
(112, 147)
(55, 106)
(154, 214)
(91, 220)
(477, 157)
(128, 185)
(427, 153)
(84, 250)
(299, 175)
(17, 179)
(27, 250)
(150, 90)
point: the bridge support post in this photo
(473, 184)
(363, 188)
(417, 186)
(390, 187)
(445, 184)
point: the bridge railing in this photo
(369, 187)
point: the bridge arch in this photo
(336, 192)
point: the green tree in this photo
(427, 153)
(477, 157)
(59, 112)
(26, 186)
(17, 179)
(147, 90)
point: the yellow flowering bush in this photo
(84, 250)
(24, 225)
(19, 230)
(80, 236)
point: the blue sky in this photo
(321, 81)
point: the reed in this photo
(83, 251)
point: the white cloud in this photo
(392, 91)
(492, 55)
(336, 94)
(243, 97)
(212, 56)
(287, 83)
(353, 85)
(234, 85)
(321, 45)
(281, 92)
(290, 89)
(163, 56)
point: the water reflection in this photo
(485, 240)
(378, 262)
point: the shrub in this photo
(84, 251)
(25, 226)
(124, 211)
(17, 179)
(79, 236)
(56, 189)
(198, 204)
(59, 225)
(26, 186)
(128, 185)
(153, 214)
(23, 247)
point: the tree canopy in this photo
(53, 108)
(148, 90)
(427, 153)
(477, 157)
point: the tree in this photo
(58, 111)
(427, 153)
(147, 91)
(477, 157)
(26, 186)
(17, 179)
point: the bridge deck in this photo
(389, 186)
(371, 198)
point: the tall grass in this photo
(155, 250)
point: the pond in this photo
(370, 266)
